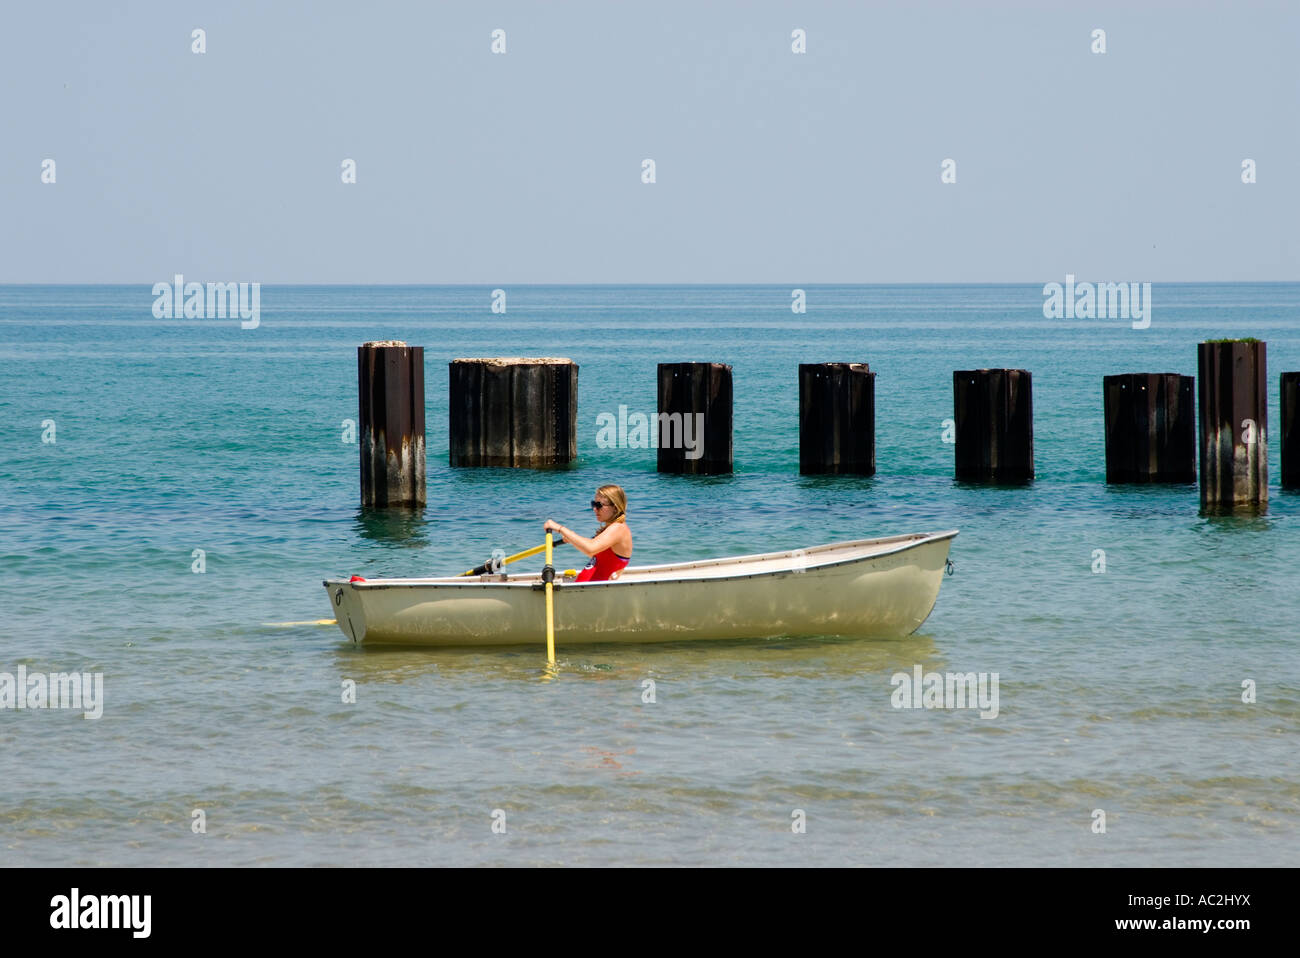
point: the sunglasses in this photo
(599, 505)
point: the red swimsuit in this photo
(602, 566)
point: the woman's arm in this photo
(605, 540)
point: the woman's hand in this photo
(550, 525)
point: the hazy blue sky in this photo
(771, 166)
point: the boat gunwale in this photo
(532, 580)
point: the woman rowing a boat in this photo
(611, 547)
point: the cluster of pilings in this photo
(522, 412)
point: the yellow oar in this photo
(548, 574)
(487, 566)
(285, 625)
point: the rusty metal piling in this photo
(1150, 428)
(1290, 403)
(837, 419)
(390, 384)
(1233, 399)
(994, 414)
(694, 418)
(514, 412)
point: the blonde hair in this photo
(618, 498)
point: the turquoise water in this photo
(1119, 691)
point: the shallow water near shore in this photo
(1119, 691)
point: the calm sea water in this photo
(1119, 691)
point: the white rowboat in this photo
(870, 587)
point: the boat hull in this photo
(868, 588)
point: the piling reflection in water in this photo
(394, 526)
